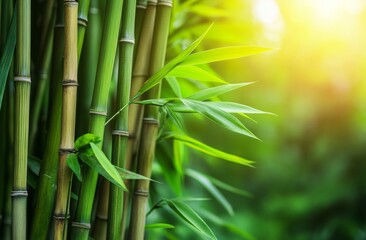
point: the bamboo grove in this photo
(93, 100)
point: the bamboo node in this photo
(22, 79)
(59, 26)
(61, 216)
(83, 21)
(165, 3)
(151, 121)
(66, 150)
(120, 133)
(96, 112)
(70, 2)
(81, 225)
(69, 82)
(142, 6)
(152, 2)
(102, 218)
(127, 40)
(142, 193)
(19, 194)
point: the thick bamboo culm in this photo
(69, 94)
(120, 134)
(150, 122)
(22, 84)
(98, 112)
(139, 18)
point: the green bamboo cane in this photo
(46, 189)
(22, 95)
(140, 14)
(69, 93)
(120, 134)
(98, 113)
(140, 74)
(100, 228)
(150, 122)
(88, 66)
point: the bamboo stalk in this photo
(120, 134)
(145, 12)
(150, 122)
(22, 96)
(139, 19)
(98, 114)
(46, 189)
(101, 218)
(69, 94)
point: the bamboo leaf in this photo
(194, 72)
(231, 107)
(100, 163)
(159, 75)
(7, 56)
(199, 146)
(220, 117)
(125, 174)
(158, 225)
(215, 91)
(174, 117)
(191, 217)
(34, 165)
(85, 139)
(174, 85)
(73, 163)
(206, 183)
(228, 187)
(221, 54)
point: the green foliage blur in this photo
(309, 180)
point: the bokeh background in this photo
(309, 176)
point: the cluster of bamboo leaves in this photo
(97, 70)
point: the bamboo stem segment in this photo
(22, 96)
(150, 122)
(120, 134)
(67, 120)
(98, 112)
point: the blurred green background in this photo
(309, 177)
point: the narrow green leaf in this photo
(221, 54)
(220, 117)
(157, 102)
(232, 107)
(158, 225)
(159, 75)
(7, 56)
(73, 163)
(196, 73)
(206, 183)
(174, 84)
(215, 91)
(125, 174)
(195, 144)
(191, 217)
(34, 164)
(85, 139)
(174, 117)
(228, 187)
(100, 163)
